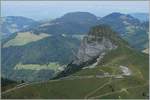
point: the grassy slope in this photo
(52, 66)
(97, 87)
(24, 38)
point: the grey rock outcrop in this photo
(92, 47)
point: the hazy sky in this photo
(51, 9)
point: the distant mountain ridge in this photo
(141, 16)
(12, 24)
(70, 23)
(129, 28)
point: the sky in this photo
(40, 10)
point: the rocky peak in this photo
(95, 44)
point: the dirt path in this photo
(25, 84)
(65, 78)
(122, 90)
(97, 89)
(16, 87)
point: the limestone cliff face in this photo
(94, 45)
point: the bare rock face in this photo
(88, 51)
(94, 46)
